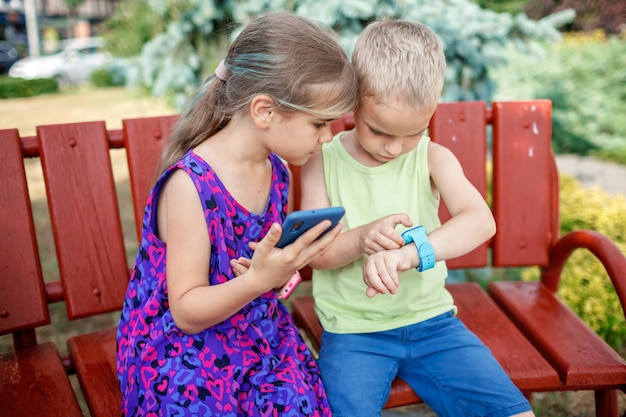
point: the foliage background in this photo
(190, 36)
(585, 77)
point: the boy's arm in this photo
(472, 222)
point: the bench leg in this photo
(606, 403)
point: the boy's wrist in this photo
(425, 250)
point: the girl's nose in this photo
(326, 134)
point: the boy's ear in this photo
(262, 110)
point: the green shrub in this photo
(585, 286)
(101, 78)
(585, 78)
(613, 155)
(19, 87)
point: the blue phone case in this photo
(299, 222)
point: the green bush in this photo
(585, 78)
(101, 78)
(19, 87)
(188, 38)
(585, 286)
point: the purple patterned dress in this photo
(252, 364)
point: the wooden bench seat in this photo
(539, 341)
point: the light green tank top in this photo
(369, 193)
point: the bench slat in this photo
(32, 378)
(20, 269)
(483, 317)
(461, 127)
(144, 139)
(94, 356)
(580, 356)
(522, 186)
(34, 383)
(85, 216)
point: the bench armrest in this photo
(607, 252)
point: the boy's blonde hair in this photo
(400, 60)
(287, 57)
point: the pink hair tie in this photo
(221, 72)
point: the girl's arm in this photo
(352, 244)
(196, 305)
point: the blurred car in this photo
(72, 64)
(8, 56)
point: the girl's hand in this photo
(381, 235)
(382, 270)
(240, 265)
(274, 266)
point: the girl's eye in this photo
(319, 125)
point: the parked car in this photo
(72, 64)
(8, 56)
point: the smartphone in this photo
(299, 222)
(289, 286)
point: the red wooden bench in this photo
(538, 340)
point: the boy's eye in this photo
(375, 132)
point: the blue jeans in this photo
(445, 364)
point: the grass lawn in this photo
(78, 105)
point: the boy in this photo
(383, 303)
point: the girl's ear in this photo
(262, 110)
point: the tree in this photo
(174, 62)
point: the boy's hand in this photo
(382, 269)
(381, 234)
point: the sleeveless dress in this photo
(253, 364)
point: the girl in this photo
(193, 339)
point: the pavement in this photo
(590, 172)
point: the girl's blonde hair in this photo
(291, 59)
(400, 60)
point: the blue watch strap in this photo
(425, 250)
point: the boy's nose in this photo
(393, 148)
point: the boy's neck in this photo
(351, 144)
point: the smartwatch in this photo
(425, 250)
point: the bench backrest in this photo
(519, 180)
(85, 217)
(524, 180)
